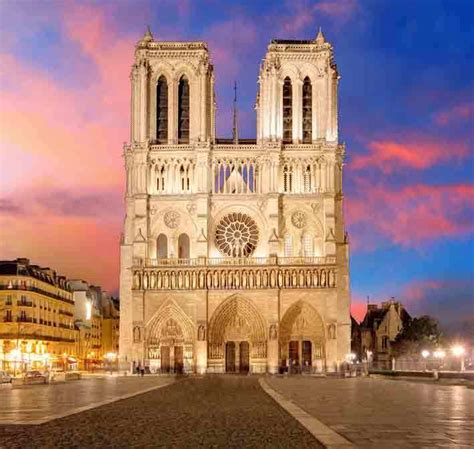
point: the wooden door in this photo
(244, 357)
(230, 357)
(307, 354)
(294, 353)
(165, 359)
(178, 359)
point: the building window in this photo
(287, 111)
(384, 342)
(183, 246)
(8, 316)
(160, 180)
(307, 111)
(287, 178)
(162, 110)
(307, 245)
(288, 245)
(162, 247)
(307, 179)
(183, 110)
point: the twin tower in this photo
(234, 256)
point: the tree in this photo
(418, 334)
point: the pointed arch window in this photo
(307, 111)
(287, 111)
(183, 110)
(307, 245)
(162, 110)
(288, 249)
(307, 178)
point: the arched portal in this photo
(237, 337)
(170, 340)
(302, 339)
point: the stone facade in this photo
(234, 255)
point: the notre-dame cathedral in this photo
(234, 256)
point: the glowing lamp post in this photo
(458, 351)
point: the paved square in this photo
(33, 403)
(376, 413)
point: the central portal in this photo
(237, 357)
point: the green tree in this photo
(418, 334)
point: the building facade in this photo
(380, 328)
(234, 255)
(36, 318)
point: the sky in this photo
(406, 104)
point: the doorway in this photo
(165, 359)
(178, 360)
(307, 355)
(230, 357)
(244, 364)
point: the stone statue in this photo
(201, 333)
(273, 332)
(332, 331)
(137, 334)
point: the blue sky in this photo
(406, 114)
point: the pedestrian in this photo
(143, 371)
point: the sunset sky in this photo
(406, 115)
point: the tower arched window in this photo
(287, 111)
(162, 247)
(183, 246)
(307, 111)
(183, 110)
(162, 110)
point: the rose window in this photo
(237, 235)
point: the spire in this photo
(148, 36)
(235, 128)
(320, 37)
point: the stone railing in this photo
(228, 276)
(235, 261)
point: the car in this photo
(34, 377)
(5, 377)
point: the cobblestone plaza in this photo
(234, 411)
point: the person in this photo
(142, 370)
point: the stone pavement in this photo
(213, 411)
(39, 403)
(383, 413)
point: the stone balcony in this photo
(235, 273)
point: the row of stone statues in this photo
(196, 279)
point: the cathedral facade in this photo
(234, 256)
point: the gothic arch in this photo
(301, 321)
(237, 318)
(170, 322)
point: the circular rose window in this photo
(237, 235)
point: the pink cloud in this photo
(409, 215)
(415, 152)
(459, 112)
(358, 308)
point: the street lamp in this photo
(458, 351)
(425, 354)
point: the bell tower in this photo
(297, 99)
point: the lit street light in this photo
(458, 351)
